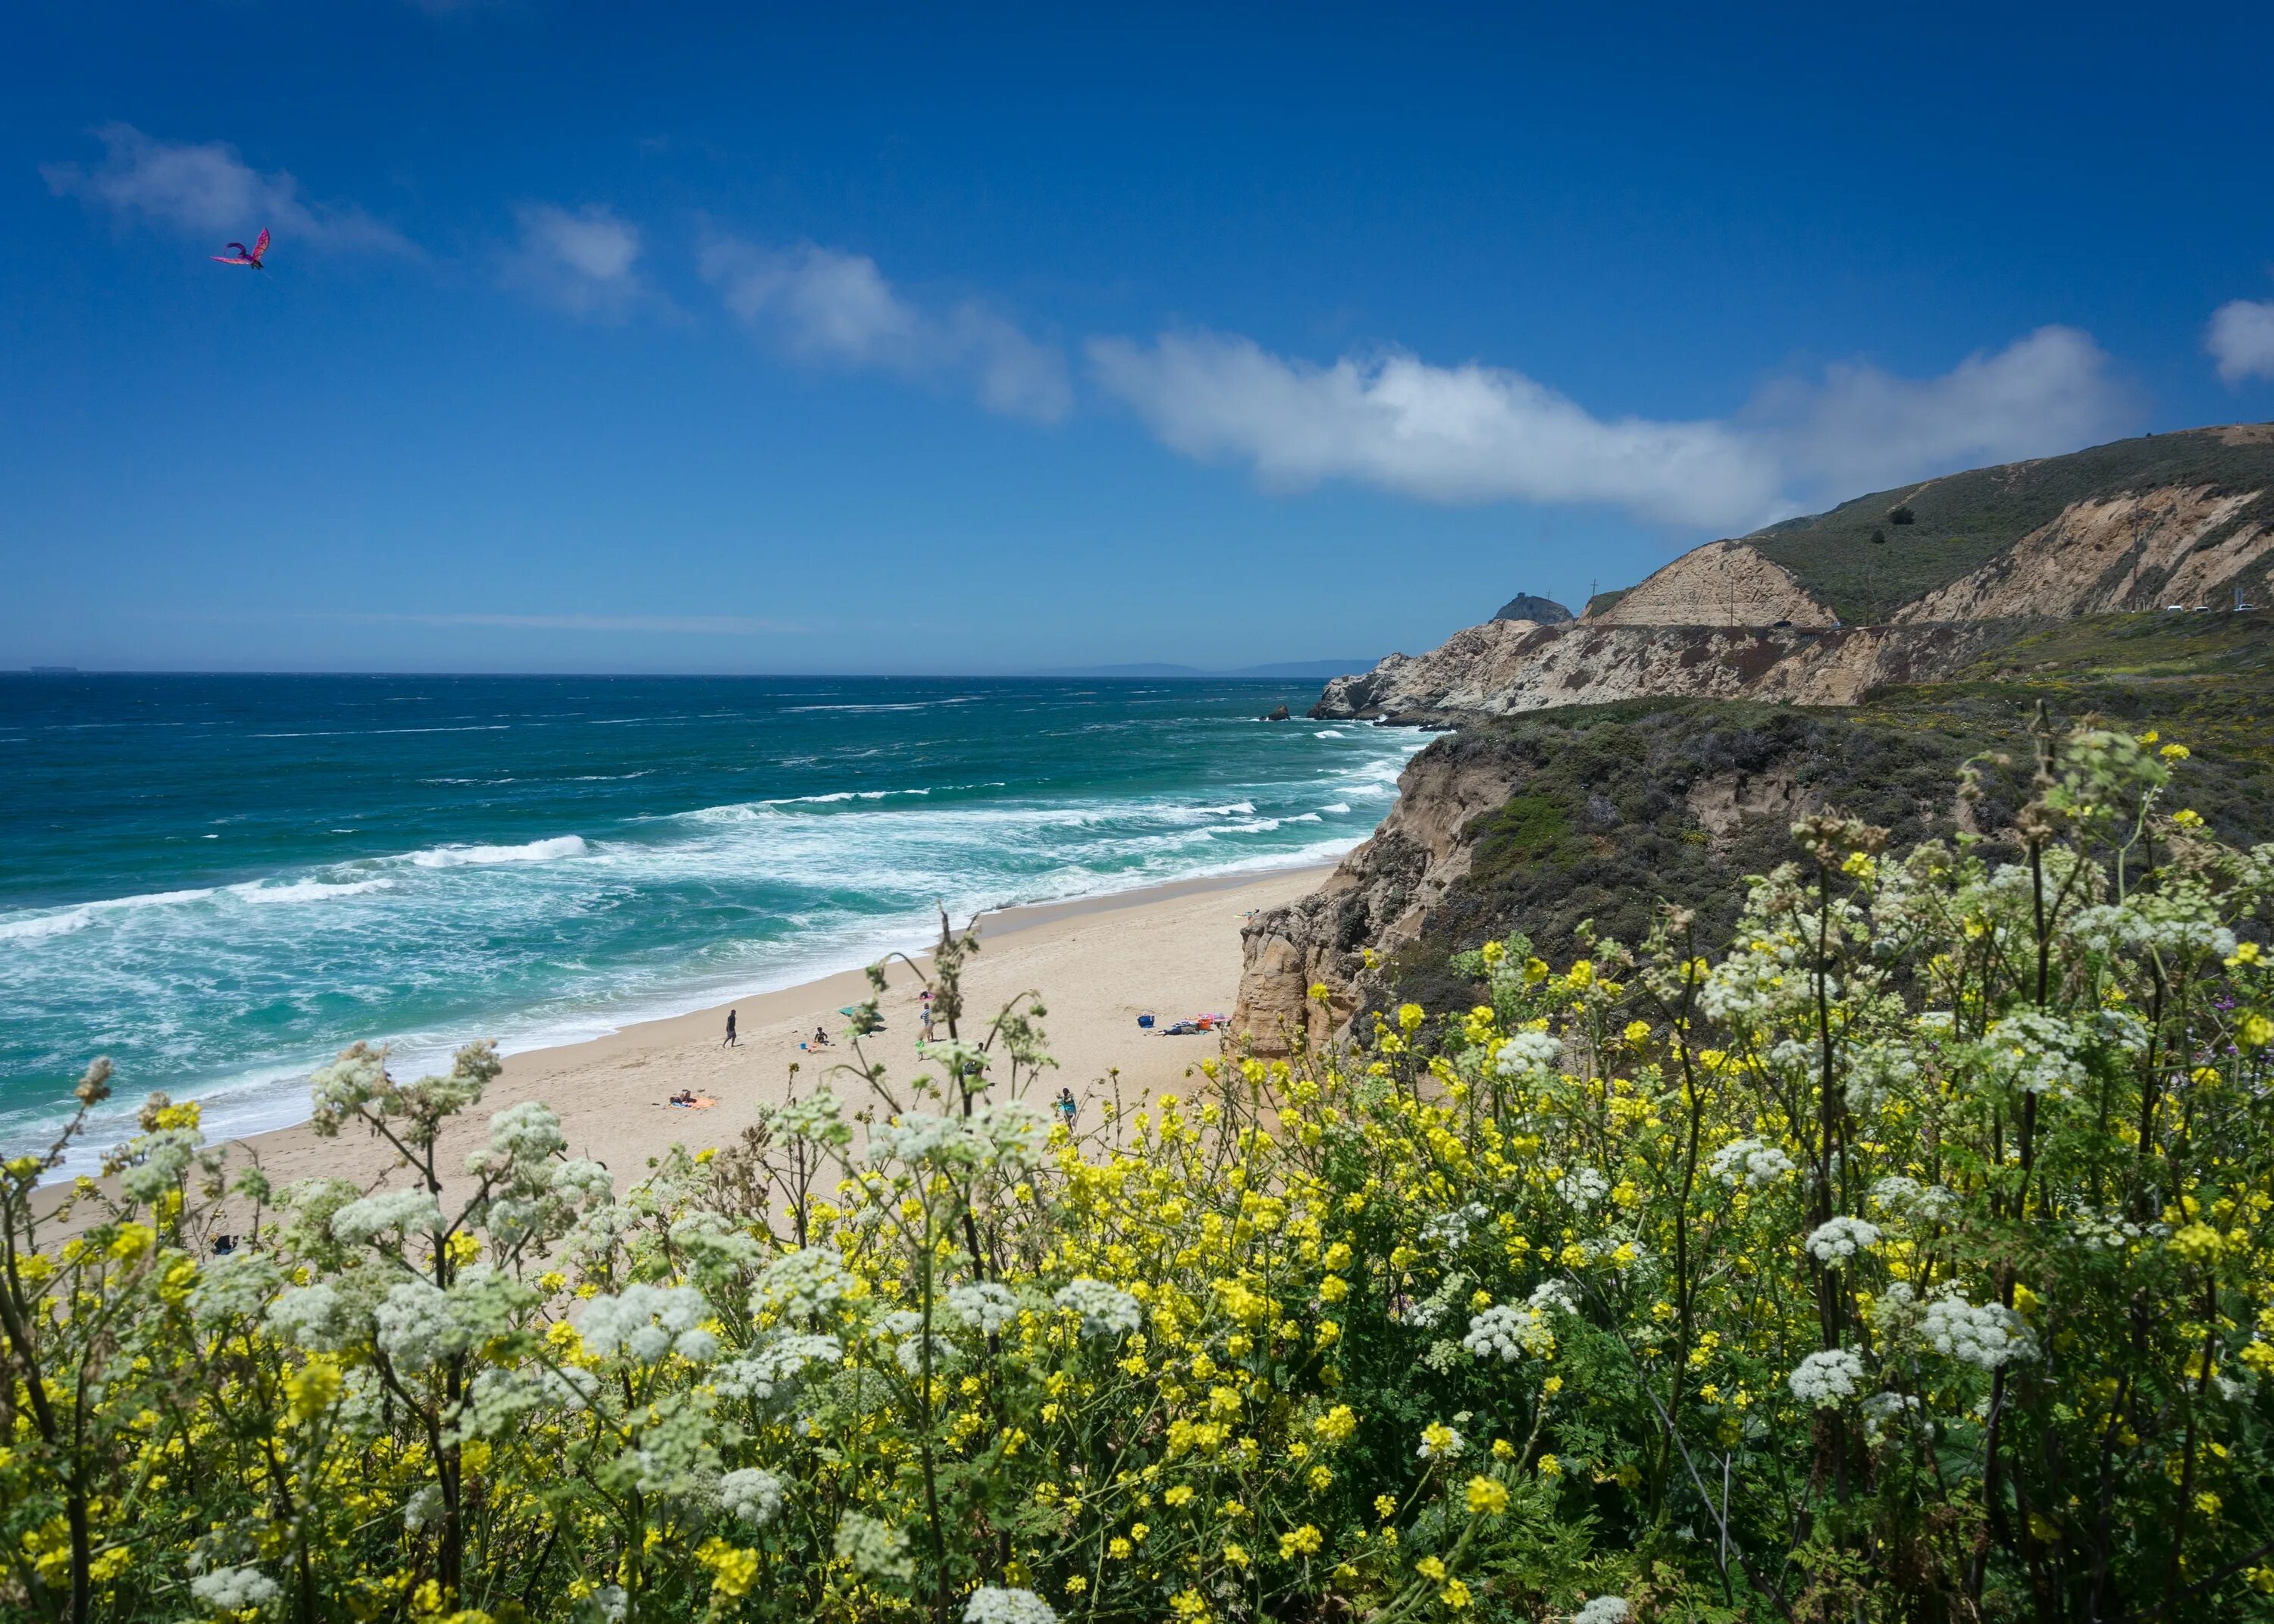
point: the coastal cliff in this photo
(1507, 667)
(1929, 613)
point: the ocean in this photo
(218, 881)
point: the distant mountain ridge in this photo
(1898, 586)
(1292, 671)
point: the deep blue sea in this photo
(220, 880)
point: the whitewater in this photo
(220, 881)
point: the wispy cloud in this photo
(830, 307)
(204, 188)
(584, 262)
(2241, 339)
(1476, 433)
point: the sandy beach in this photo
(1173, 950)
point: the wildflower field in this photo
(1906, 1256)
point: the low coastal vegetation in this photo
(1616, 809)
(1902, 1251)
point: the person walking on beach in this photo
(730, 1043)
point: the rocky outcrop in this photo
(1508, 666)
(1525, 606)
(1721, 583)
(1377, 899)
(2173, 545)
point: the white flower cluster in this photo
(1749, 1163)
(160, 1159)
(757, 1374)
(401, 1212)
(984, 1305)
(311, 1317)
(1823, 1381)
(715, 1245)
(1931, 1203)
(1990, 1334)
(1106, 1310)
(961, 1057)
(238, 1287)
(500, 1396)
(904, 1327)
(419, 1324)
(802, 1285)
(818, 1118)
(1583, 1187)
(1010, 1133)
(1450, 1228)
(424, 1507)
(1603, 1610)
(751, 1494)
(1554, 1294)
(1510, 1333)
(2036, 1053)
(526, 1132)
(992, 1604)
(234, 1590)
(2109, 1231)
(1753, 985)
(875, 1550)
(1839, 1239)
(1532, 1057)
(1882, 1410)
(1878, 1073)
(646, 1323)
(2169, 926)
(607, 1604)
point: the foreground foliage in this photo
(1908, 1260)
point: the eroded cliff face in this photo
(1507, 667)
(1721, 583)
(2177, 544)
(1377, 898)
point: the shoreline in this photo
(250, 1107)
(1172, 948)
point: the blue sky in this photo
(854, 339)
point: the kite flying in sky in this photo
(247, 256)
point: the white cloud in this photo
(2242, 340)
(585, 261)
(1862, 429)
(1476, 433)
(831, 307)
(205, 189)
(1466, 434)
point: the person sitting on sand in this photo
(820, 1037)
(730, 1043)
(685, 1096)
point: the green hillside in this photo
(1960, 523)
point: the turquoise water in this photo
(219, 881)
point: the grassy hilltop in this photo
(1960, 523)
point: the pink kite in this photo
(246, 256)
